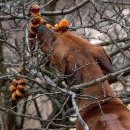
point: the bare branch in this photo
(96, 81)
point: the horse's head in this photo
(46, 36)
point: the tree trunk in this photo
(3, 124)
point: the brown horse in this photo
(82, 62)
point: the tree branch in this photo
(49, 13)
(114, 41)
(96, 81)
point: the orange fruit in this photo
(63, 23)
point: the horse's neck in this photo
(101, 92)
(47, 40)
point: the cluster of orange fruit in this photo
(62, 26)
(17, 88)
(38, 20)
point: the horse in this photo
(83, 62)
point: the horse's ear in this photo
(103, 59)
